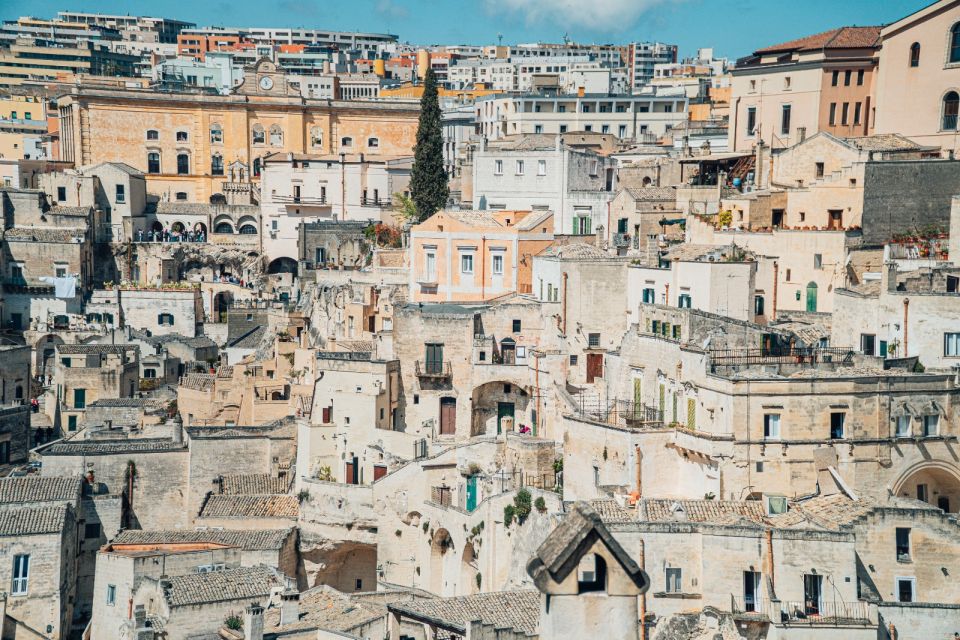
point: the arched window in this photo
(182, 136)
(153, 162)
(915, 54)
(591, 574)
(951, 106)
(373, 143)
(216, 165)
(955, 43)
(316, 137)
(346, 142)
(216, 133)
(183, 163)
(248, 230)
(153, 134)
(223, 227)
(259, 137)
(276, 136)
(165, 319)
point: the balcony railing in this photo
(621, 240)
(825, 612)
(300, 200)
(433, 369)
(787, 355)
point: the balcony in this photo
(303, 200)
(621, 241)
(433, 369)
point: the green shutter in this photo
(692, 413)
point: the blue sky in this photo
(732, 27)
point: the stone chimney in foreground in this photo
(289, 607)
(253, 622)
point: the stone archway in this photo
(934, 482)
(499, 406)
(441, 551)
(468, 571)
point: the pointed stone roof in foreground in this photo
(561, 552)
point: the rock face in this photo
(708, 624)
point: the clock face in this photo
(266, 83)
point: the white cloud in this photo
(598, 15)
(390, 9)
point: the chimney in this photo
(289, 607)
(139, 615)
(253, 622)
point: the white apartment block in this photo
(300, 188)
(627, 117)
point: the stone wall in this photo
(900, 197)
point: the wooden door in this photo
(594, 366)
(350, 473)
(448, 416)
(379, 471)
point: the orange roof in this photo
(292, 48)
(841, 38)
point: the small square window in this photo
(573, 360)
(593, 339)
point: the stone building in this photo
(638, 217)
(184, 142)
(332, 245)
(38, 549)
(304, 189)
(774, 417)
(904, 314)
(86, 373)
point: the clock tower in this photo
(265, 79)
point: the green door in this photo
(79, 398)
(637, 398)
(471, 493)
(504, 410)
(812, 296)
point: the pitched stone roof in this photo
(884, 142)
(254, 484)
(562, 550)
(226, 506)
(33, 234)
(39, 489)
(611, 511)
(265, 539)
(518, 610)
(840, 38)
(197, 381)
(243, 583)
(107, 447)
(34, 521)
(126, 403)
(653, 193)
(326, 608)
(709, 511)
(96, 348)
(830, 512)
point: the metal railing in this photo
(433, 369)
(824, 612)
(621, 240)
(626, 414)
(787, 355)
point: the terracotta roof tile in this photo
(519, 610)
(840, 38)
(254, 484)
(39, 489)
(265, 506)
(33, 521)
(244, 583)
(251, 540)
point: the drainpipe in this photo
(564, 311)
(643, 596)
(906, 333)
(776, 272)
(483, 268)
(639, 459)
(770, 563)
(536, 383)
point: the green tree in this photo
(428, 179)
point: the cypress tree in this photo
(428, 180)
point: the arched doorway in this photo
(282, 265)
(156, 227)
(221, 303)
(441, 550)
(812, 297)
(498, 407)
(200, 228)
(177, 227)
(45, 350)
(934, 482)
